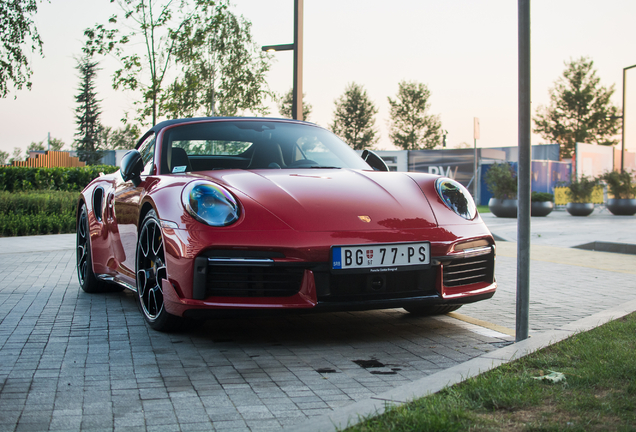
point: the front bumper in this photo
(260, 281)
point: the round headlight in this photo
(210, 203)
(456, 197)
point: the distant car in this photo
(244, 213)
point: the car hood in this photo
(335, 199)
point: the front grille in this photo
(247, 281)
(469, 271)
(382, 286)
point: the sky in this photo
(465, 51)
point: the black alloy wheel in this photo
(151, 270)
(87, 280)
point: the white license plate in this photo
(381, 258)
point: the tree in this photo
(354, 118)
(410, 127)
(87, 113)
(157, 26)
(222, 69)
(54, 144)
(17, 154)
(35, 146)
(285, 106)
(580, 110)
(16, 29)
(120, 139)
(4, 157)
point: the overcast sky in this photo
(465, 51)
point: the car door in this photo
(127, 199)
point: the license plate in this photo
(381, 258)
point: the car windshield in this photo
(241, 144)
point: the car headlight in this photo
(210, 203)
(456, 197)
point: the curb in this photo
(352, 414)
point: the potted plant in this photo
(501, 181)
(581, 196)
(623, 189)
(541, 203)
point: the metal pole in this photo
(475, 171)
(297, 97)
(476, 136)
(623, 120)
(523, 174)
(623, 126)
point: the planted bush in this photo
(33, 213)
(541, 197)
(23, 179)
(42, 200)
(501, 180)
(620, 185)
(581, 189)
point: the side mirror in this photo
(131, 167)
(375, 161)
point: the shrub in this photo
(541, 197)
(501, 181)
(21, 179)
(20, 224)
(581, 189)
(33, 213)
(621, 185)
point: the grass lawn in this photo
(598, 393)
(483, 209)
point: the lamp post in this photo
(623, 122)
(297, 47)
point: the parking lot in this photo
(74, 361)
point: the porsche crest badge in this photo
(363, 218)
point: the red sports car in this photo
(244, 213)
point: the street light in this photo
(623, 122)
(297, 47)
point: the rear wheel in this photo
(431, 309)
(87, 279)
(151, 270)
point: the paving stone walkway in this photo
(74, 361)
(70, 361)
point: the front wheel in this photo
(151, 269)
(431, 309)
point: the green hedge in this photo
(22, 225)
(41, 212)
(22, 179)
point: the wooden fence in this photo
(50, 159)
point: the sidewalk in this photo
(561, 229)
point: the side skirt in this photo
(116, 280)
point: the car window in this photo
(247, 144)
(147, 151)
(212, 147)
(312, 149)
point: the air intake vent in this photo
(469, 271)
(248, 281)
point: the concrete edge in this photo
(356, 412)
(601, 246)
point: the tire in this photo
(150, 268)
(85, 275)
(431, 309)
